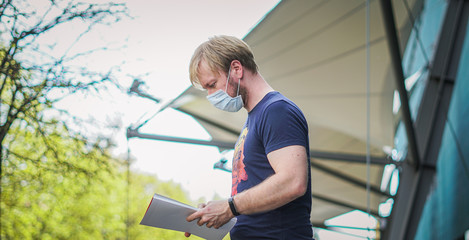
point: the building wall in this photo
(446, 212)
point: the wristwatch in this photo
(232, 206)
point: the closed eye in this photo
(212, 85)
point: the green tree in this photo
(72, 199)
(32, 76)
(46, 199)
(38, 151)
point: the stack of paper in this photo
(167, 213)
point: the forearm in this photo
(288, 183)
(272, 193)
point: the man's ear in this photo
(237, 69)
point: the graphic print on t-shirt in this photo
(239, 173)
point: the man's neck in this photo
(257, 90)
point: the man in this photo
(271, 188)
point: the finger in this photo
(201, 205)
(201, 222)
(218, 225)
(187, 234)
(193, 216)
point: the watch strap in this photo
(232, 206)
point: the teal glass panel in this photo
(419, 50)
(421, 44)
(446, 212)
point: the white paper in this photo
(167, 213)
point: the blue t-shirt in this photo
(274, 123)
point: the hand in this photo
(213, 214)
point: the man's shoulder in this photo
(276, 98)
(278, 102)
(274, 106)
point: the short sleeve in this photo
(283, 125)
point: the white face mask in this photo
(221, 100)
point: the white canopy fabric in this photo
(314, 52)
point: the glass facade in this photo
(421, 44)
(415, 63)
(446, 212)
(419, 51)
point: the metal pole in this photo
(134, 133)
(348, 179)
(396, 60)
(355, 158)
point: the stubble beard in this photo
(242, 91)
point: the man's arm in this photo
(289, 182)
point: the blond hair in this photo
(219, 52)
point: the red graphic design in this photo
(238, 172)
